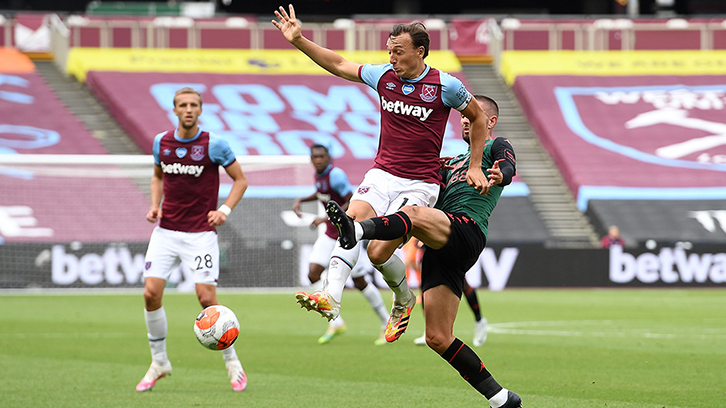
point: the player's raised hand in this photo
(495, 173)
(216, 218)
(288, 24)
(476, 178)
(153, 215)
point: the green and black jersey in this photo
(459, 196)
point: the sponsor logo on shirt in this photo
(197, 153)
(402, 108)
(407, 89)
(428, 93)
(390, 86)
(363, 190)
(181, 152)
(178, 168)
(167, 152)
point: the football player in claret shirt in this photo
(331, 183)
(454, 234)
(186, 175)
(415, 101)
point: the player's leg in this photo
(441, 308)
(443, 273)
(201, 255)
(372, 295)
(318, 259)
(327, 301)
(160, 256)
(480, 325)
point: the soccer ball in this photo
(216, 327)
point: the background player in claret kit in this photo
(455, 234)
(415, 103)
(186, 175)
(332, 183)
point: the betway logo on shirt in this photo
(178, 168)
(402, 108)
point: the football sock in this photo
(499, 399)
(386, 228)
(316, 285)
(472, 369)
(394, 273)
(342, 262)
(337, 322)
(373, 296)
(473, 302)
(229, 354)
(156, 330)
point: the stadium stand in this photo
(269, 100)
(642, 138)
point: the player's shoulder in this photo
(501, 142)
(217, 140)
(371, 73)
(337, 172)
(449, 80)
(159, 136)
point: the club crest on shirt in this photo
(390, 86)
(363, 190)
(197, 153)
(428, 93)
(181, 152)
(407, 89)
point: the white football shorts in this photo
(387, 193)
(198, 251)
(322, 248)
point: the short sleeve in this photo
(339, 182)
(220, 152)
(454, 93)
(155, 148)
(371, 74)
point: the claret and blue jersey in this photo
(414, 113)
(332, 184)
(191, 178)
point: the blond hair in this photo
(187, 90)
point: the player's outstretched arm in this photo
(478, 136)
(327, 59)
(156, 192)
(239, 186)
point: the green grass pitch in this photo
(556, 348)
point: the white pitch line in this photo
(65, 335)
(520, 328)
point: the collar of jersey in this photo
(418, 78)
(179, 139)
(326, 171)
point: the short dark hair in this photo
(491, 102)
(319, 146)
(417, 31)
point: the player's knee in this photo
(438, 342)
(379, 254)
(207, 299)
(152, 299)
(412, 211)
